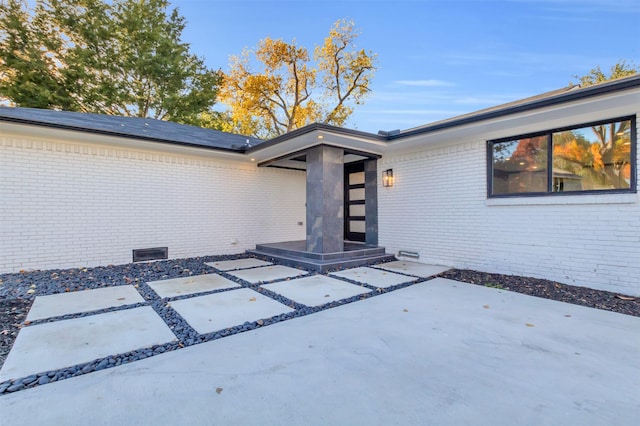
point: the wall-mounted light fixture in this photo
(387, 178)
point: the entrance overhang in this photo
(297, 160)
(285, 147)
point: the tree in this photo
(28, 66)
(610, 151)
(596, 76)
(123, 57)
(290, 91)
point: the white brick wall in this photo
(438, 207)
(67, 204)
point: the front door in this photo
(354, 205)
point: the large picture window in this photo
(593, 157)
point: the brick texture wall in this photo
(438, 207)
(67, 204)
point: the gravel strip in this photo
(546, 289)
(17, 292)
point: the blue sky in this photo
(436, 58)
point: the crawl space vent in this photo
(141, 255)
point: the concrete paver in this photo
(413, 268)
(229, 265)
(374, 277)
(191, 285)
(315, 290)
(218, 311)
(60, 344)
(439, 352)
(267, 273)
(83, 301)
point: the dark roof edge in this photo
(313, 127)
(115, 134)
(596, 90)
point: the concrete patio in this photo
(437, 352)
(115, 322)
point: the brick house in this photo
(543, 187)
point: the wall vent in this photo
(412, 254)
(141, 255)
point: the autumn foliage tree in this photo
(290, 90)
(618, 70)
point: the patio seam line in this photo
(241, 269)
(84, 314)
(366, 285)
(277, 280)
(202, 293)
(381, 290)
(400, 273)
(233, 278)
(396, 272)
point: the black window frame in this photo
(549, 134)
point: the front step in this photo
(294, 253)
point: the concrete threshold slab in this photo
(215, 312)
(55, 345)
(191, 285)
(416, 269)
(83, 301)
(373, 277)
(429, 353)
(316, 290)
(229, 265)
(267, 273)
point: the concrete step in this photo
(325, 265)
(275, 250)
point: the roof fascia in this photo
(339, 131)
(113, 134)
(76, 136)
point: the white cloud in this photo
(433, 102)
(438, 112)
(425, 83)
(490, 100)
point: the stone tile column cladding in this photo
(325, 199)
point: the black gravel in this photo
(18, 290)
(546, 289)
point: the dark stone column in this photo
(371, 201)
(325, 199)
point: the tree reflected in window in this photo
(520, 165)
(595, 157)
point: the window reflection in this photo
(588, 158)
(593, 158)
(520, 166)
